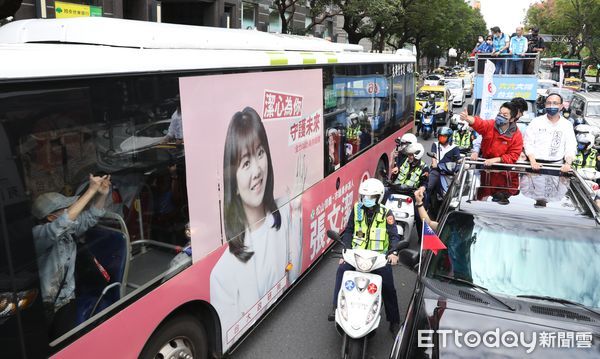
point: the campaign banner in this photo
(255, 145)
(507, 87)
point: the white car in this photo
(545, 84)
(433, 80)
(456, 86)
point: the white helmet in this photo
(372, 187)
(405, 140)
(462, 125)
(584, 129)
(416, 149)
(585, 141)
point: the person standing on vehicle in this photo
(502, 142)
(486, 46)
(587, 156)
(61, 220)
(535, 43)
(500, 44)
(550, 138)
(518, 48)
(372, 226)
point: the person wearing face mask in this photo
(502, 142)
(486, 46)
(372, 226)
(550, 138)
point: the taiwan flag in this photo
(430, 240)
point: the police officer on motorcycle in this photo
(371, 226)
(399, 154)
(463, 137)
(444, 152)
(427, 110)
(587, 156)
(413, 172)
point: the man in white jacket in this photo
(550, 138)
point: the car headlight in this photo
(364, 264)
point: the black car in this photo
(521, 263)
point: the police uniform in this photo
(373, 229)
(462, 140)
(587, 161)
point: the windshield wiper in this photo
(559, 300)
(476, 286)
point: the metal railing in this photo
(509, 63)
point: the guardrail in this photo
(529, 63)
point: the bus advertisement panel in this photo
(265, 140)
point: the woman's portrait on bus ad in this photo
(269, 129)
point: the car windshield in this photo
(514, 257)
(432, 77)
(424, 95)
(572, 83)
(593, 109)
(453, 85)
(593, 87)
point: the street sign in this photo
(66, 10)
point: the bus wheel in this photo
(181, 337)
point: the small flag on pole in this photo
(431, 241)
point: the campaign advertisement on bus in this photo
(252, 157)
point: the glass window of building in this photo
(248, 15)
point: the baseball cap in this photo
(50, 202)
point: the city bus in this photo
(549, 68)
(207, 165)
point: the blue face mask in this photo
(581, 146)
(368, 202)
(501, 120)
(551, 110)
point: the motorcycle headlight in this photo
(373, 311)
(343, 307)
(364, 264)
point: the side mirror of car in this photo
(409, 258)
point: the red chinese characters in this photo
(280, 105)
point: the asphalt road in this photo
(298, 326)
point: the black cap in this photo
(535, 29)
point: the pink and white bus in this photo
(230, 154)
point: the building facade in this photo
(250, 14)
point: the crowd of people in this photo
(509, 52)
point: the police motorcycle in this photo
(400, 199)
(585, 142)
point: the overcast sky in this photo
(506, 14)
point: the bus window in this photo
(125, 135)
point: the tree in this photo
(321, 10)
(286, 10)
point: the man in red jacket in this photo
(502, 141)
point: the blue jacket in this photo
(485, 48)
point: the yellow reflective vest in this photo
(374, 238)
(590, 161)
(463, 141)
(408, 178)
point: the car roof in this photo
(559, 193)
(432, 88)
(589, 96)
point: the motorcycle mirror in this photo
(470, 110)
(335, 236)
(431, 155)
